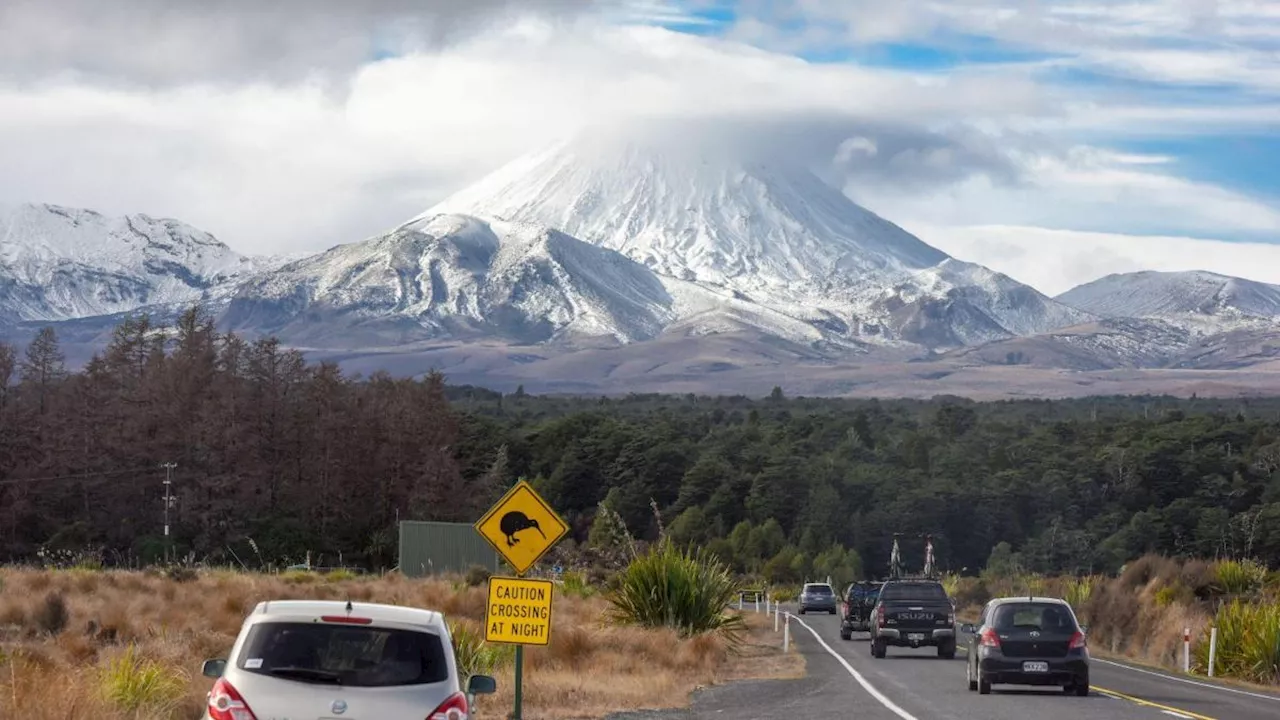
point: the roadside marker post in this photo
(786, 634)
(1213, 647)
(521, 527)
(1186, 650)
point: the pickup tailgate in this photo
(908, 615)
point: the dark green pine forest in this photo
(299, 457)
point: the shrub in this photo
(473, 655)
(1248, 642)
(685, 590)
(299, 577)
(575, 583)
(340, 575)
(132, 683)
(1239, 577)
(477, 575)
(180, 574)
(51, 615)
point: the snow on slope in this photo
(60, 263)
(1203, 302)
(708, 212)
(694, 209)
(456, 275)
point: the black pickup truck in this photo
(855, 610)
(914, 613)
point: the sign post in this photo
(522, 527)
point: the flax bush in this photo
(688, 591)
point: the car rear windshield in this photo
(818, 589)
(1045, 617)
(864, 592)
(349, 655)
(913, 591)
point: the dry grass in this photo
(164, 629)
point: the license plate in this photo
(915, 637)
(1035, 667)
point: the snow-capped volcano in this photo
(694, 208)
(710, 211)
(59, 263)
(1203, 302)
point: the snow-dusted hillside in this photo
(60, 263)
(1203, 302)
(459, 276)
(759, 228)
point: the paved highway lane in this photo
(922, 686)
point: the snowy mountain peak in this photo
(695, 207)
(58, 263)
(1206, 300)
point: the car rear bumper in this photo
(818, 607)
(1009, 671)
(908, 637)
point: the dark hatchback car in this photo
(817, 597)
(1028, 641)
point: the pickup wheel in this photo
(947, 651)
(879, 648)
(846, 634)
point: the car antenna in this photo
(349, 608)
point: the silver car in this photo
(343, 660)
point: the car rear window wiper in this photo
(300, 673)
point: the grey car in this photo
(818, 597)
(309, 659)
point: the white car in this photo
(301, 659)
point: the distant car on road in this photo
(1028, 641)
(819, 597)
(914, 613)
(859, 601)
(303, 658)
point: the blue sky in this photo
(1053, 140)
(1092, 61)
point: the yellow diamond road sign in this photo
(519, 611)
(522, 527)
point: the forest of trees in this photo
(299, 457)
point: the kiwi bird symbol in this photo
(515, 521)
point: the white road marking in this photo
(879, 696)
(1175, 678)
(1177, 714)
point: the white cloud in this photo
(1054, 261)
(283, 163)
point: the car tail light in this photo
(880, 616)
(1078, 641)
(346, 619)
(989, 638)
(455, 708)
(225, 703)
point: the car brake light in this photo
(455, 708)
(880, 616)
(226, 704)
(989, 638)
(346, 619)
(1078, 641)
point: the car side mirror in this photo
(213, 668)
(968, 628)
(481, 685)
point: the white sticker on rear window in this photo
(253, 663)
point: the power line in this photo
(80, 476)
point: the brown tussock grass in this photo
(590, 668)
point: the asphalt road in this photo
(844, 680)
